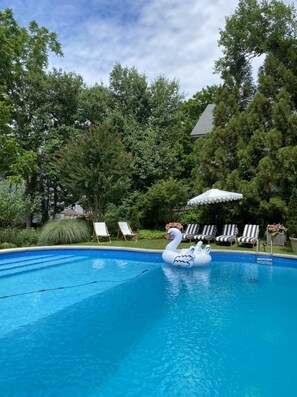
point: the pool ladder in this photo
(264, 258)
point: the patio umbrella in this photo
(214, 196)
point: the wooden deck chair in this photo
(100, 230)
(191, 230)
(126, 231)
(250, 235)
(228, 235)
(208, 233)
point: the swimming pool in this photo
(102, 323)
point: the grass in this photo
(160, 244)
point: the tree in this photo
(23, 61)
(256, 28)
(251, 148)
(55, 124)
(148, 120)
(95, 169)
(162, 202)
(130, 93)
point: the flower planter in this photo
(277, 239)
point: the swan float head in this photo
(181, 258)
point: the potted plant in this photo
(177, 225)
(292, 220)
(276, 233)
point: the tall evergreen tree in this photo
(252, 148)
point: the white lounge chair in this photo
(190, 232)
(100, 230)
(228, 235)
(126, 231)
(250, 235)
(208, 233)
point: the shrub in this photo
(9, 235)
(64, 231)
(7, 245)
(27, 237)
(151, 234)
(162, 201)
(19, 237)
(12, 203)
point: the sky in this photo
(177, 39)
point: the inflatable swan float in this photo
(193, 256)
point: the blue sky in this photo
(172, 38)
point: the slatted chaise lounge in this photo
(228, 235)
(208, 233)
(250, 235)
(191, 230)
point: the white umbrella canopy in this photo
(215, 196)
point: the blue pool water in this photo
(106, 323)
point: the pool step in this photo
(28, 260)
(12, 260)
(264, 259)
(39, 264)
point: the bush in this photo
(64, 231)
(9, 235)
(7, 245)
(27, 237)
(151, 234)
(12, 203)
(161, 203)
(19, 237)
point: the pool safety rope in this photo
(73, 286)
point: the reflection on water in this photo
(178, 278)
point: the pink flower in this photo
(174, 224)
(276, 228)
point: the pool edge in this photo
(147, 250)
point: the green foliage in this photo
(151, 234)
(130, 93)
(95, 169)
(4, 246)
(16, 162)
(292, 215)
(64, 231)
(111, 217)
(256, 27)
(162, 202)
(27, 237)
(9, 235)
(134, 218)
(190, 216)
(12, 204)
(19, 237)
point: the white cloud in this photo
(173, 38)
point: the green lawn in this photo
(161, 244)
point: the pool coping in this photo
(146, 250)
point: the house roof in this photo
(205, 123)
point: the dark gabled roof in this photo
(205, 123)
